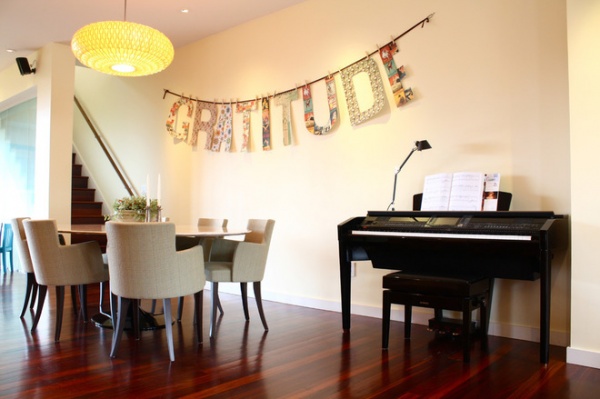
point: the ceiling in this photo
(27, 25)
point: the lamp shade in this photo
(122, 48)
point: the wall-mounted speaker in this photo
(24, 67)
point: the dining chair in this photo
(240, 262)
(144, 264)
(61, 265)
(22, 249)
(6, 247)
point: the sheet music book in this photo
(461, 191)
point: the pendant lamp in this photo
(122, 48)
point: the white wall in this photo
(490, 81)
(584, 63)
(491, 94)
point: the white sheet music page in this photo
(436, 192)
(467, 191)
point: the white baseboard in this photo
(583, 357)
(420, 315)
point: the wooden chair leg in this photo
(385, 320)
(34, 292)
(198, 302)
(244, 290)
(179, 308)
(74, 294)
(42, 290)
(258, 296)
(169, 328)
(60, 304)
(83, 302)
(28, 292)
(119, 324)
(213, 308)
(219, 304)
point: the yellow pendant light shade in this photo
(122, 48)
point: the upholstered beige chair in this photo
(22, 249)
(61, 265)
(183, 242)
(240, 262)
(144, 264)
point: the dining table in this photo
(149, 320)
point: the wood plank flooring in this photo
(304, 355)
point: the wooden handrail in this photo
(104, 148)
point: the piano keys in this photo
(511, 245)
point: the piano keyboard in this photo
(442, 235)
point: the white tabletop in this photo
(180, 230)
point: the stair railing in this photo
(118, 169)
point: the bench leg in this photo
(467, 330)
(407, 320)
(385, 320)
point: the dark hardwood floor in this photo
(304, 355)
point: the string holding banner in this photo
(365, 64)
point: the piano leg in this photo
(345, 288)
(545, 296)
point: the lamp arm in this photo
(398, 169)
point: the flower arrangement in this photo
(133, 208)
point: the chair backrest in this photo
(56, 264)
(212, 222)
(7, 237)
(249, 263)
(144, 264)
(260, 231)
(20, 243)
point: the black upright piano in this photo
(510, 245)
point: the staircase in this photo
(84, 208)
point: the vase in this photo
(129, 216)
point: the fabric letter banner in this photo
(285, 100)
(206, 126)
(173, 119)
(370, 67)
(245, 109)
(395, 75)
(309, 115)
(224, 129)
(266, 125)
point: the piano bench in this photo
(463, 293)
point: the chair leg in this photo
(198, 302)
(219, 304)
(74, 294)
(28, 291)
(153, 307)
(83, 302)
(179, 308)
(122, 305)
(258, 296)
(42, 290)
(135, 315)
(244, 289)
(60, 305)
(34, 291)
(385, 320)
(169, 328)
(213, 308)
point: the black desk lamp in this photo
(419, 146)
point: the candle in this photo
(148, 190)
(158, 191)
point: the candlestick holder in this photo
(148, 214)
(158, 213)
